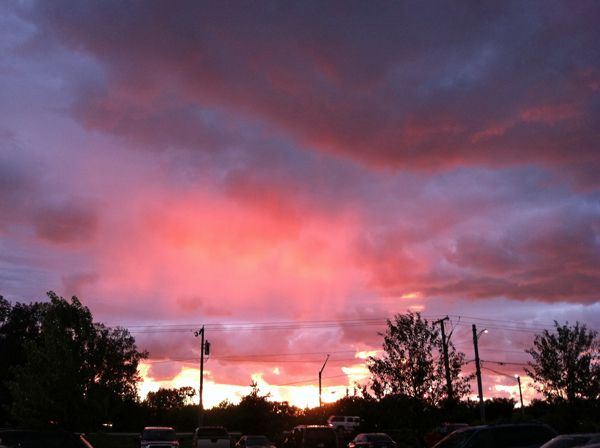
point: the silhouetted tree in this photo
(566, 362)
(412, 363)
(499, 408)
(75, 371)
(170, 398)
(18, 324)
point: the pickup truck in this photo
(211, 437)
(158, 437)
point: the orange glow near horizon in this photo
(301, 395)
(307, 395)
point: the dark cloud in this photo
(553, 256)
(397, 85)
(193, 304)
(76, 284)
(17, 181)
(66, 223)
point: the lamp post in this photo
(320, 373)
(478, 371)
(520, 394)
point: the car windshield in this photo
(566, 442)
(159, 434)
(378, 438)
(257, 440)
(456, 439)
(212, 432)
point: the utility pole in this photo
(446, 362)
(520, 394)
(478, 372)
(320, 373)
(204, 349)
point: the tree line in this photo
(59, 367)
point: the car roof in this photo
(579, 434)
(161, 428)
(372, 434)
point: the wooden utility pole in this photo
(446, 362)
(202, 348)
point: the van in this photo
(311, 436)
(346, 423)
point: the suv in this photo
(344, 422)
(158, 437)
(524, 435)
(312, 436)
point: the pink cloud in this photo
(419, 104)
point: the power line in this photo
(308, 380)
(508, 363)
(501, 324)
(499, 373)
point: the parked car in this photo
(24, 438)
(235, 436)
(524, 435)
(572, 440)
(437, 434)
(250, 441)
(346, 423)
(211, 437)
(372, 440)
(158, 437)
(312, 436)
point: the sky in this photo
(291, 174)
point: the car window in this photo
(257, 440)
(378, 438)
(484, 439)
(521, 435)
(539, 435)
(456, 439)
(159, 434)
(319, 435)
(211, 432)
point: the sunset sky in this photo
(291, 174)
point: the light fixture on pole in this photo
(478, 371)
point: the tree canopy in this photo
(412, 362)
(68, 369)
(566, 363)
(170, 398)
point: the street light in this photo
(520, 393)
(320, 373)
(478, 371)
